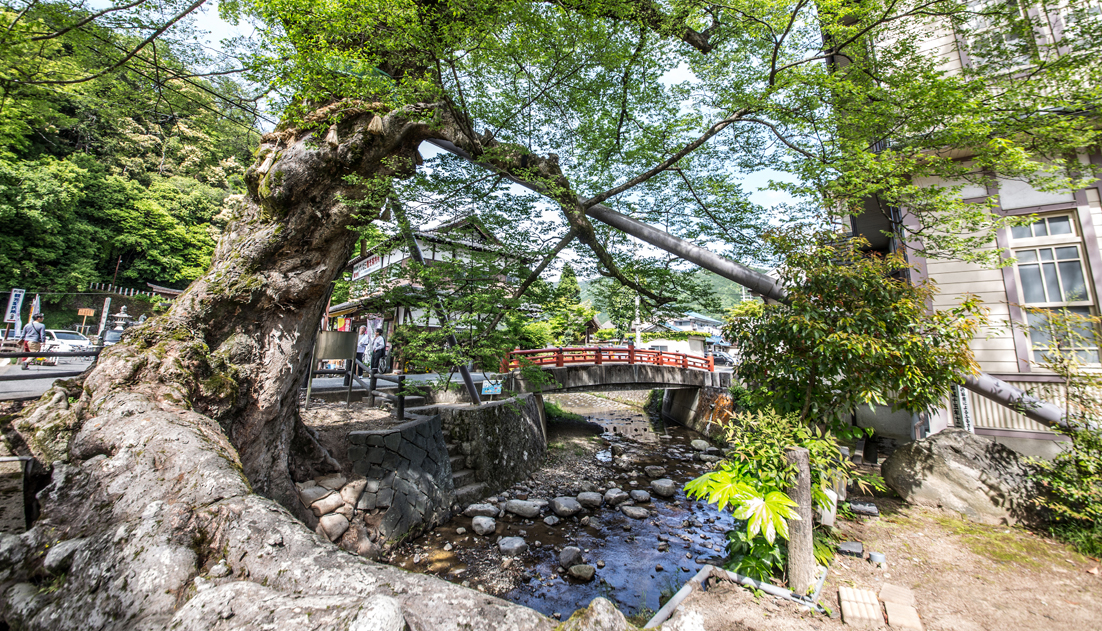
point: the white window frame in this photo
(1050, 241)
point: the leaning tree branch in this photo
(90, 18)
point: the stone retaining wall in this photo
(409, 477)
(502, 441)
(694, 409)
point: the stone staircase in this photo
(467, 489)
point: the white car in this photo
(64, 341)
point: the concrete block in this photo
(903, 616)
(385, 498)
(375, 440)
(860, 608)
(898, 595)
(393, 441)
(357, 438)
(367, 501)
(376, 455)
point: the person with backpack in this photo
(34, 334)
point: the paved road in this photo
(34, 387)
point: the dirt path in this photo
(966, 577)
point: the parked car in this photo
(723, 359)
(63, 341)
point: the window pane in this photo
(1038, 330)
(1032, 288)
(1039, 229)
(1088, 356)
(1026, 256)
(1067, 253)
(1046, 254)
(1075, 288)
(1021, 232)
(1052, 282)
(1059, 225)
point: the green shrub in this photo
(556, 413)
(1072, 481)
(753, 478)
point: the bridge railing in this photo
(565, 356)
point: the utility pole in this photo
(116, 276)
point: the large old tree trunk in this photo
(170, 499)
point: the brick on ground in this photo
(903, 616)
(898, 595)
(860, 608)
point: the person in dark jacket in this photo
(34, 334)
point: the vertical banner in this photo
(15, 304)
(36, 306)
(962, 411)
(103, 316)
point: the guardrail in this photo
(50, 375)
(564, 356)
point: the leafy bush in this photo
(556, 413)
(754, 476)
(853, 332)
(1073, 480)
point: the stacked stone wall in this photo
(698, 409)
(502, 441)
(409, 485)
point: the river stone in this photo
(512, 546)
(523, 508)
(379, 613)
(565, 506)
(570, 556)
(708, 458)
(614, 497)
(60, 556)
(700, 445)
(551, 520)
(332, 526)
(959, 471)
(654, 471)
(640, 496)
(582, 572)
(332, 482)
(351, 492)
(483, 525)
(312, 494)
(589, 499)
(588, 486)
(635, 512)
(664, 487)
(327, 504)
(481, 510)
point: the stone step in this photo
(469, 494)
(463, 477)
(458, 462)
(453, 449)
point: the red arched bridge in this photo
(598, 356)
(590, 369)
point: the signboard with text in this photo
(366, 266)
(962, 411)
(86, 312)
(489, 387)
(15, 304)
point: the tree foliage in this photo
(126, 165)
(856, 331)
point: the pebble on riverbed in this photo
(483, 525)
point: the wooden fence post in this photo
(801, 551)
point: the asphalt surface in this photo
(32, 388)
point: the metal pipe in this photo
(984, 384)
(667, 610)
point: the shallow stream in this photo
(636, 560)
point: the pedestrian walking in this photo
(378, 349)
(34, 334)
(363, 341)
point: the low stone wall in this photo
(695, 409)
(409, 477)
(502, 441)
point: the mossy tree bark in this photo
(171, 500)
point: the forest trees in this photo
(128, 169)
